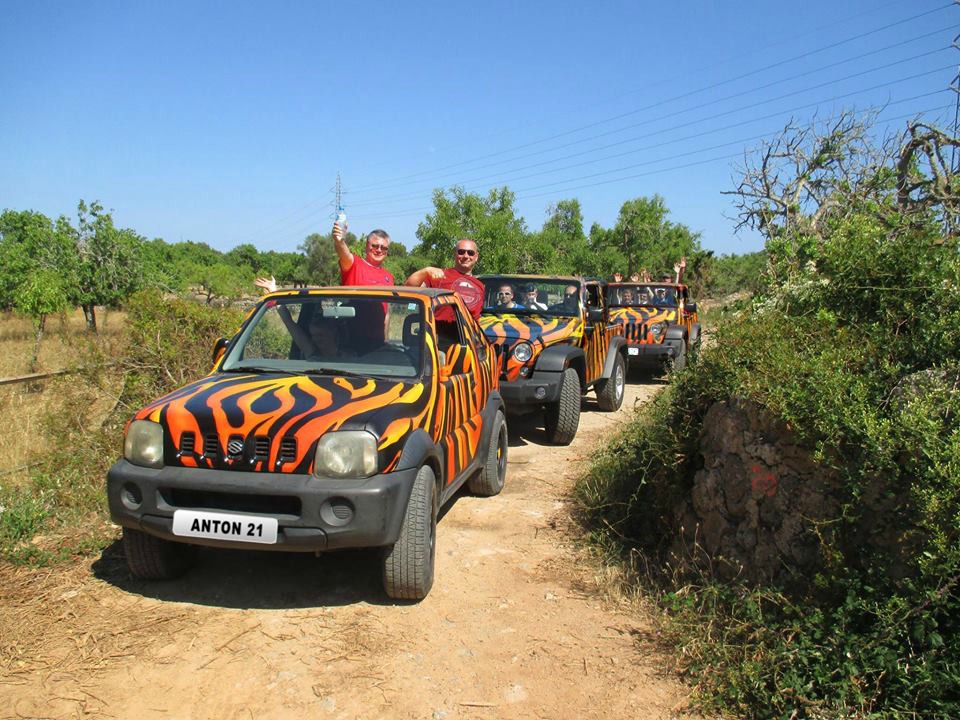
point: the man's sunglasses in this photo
(466, 251)
(504, 293)
(378, 246)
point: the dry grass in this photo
(24, 405)
(64, 343)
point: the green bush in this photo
(859, 352)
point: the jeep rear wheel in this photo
(152, 558)
(489, 480)
(562, 418)
(610, 391)
(409, 563)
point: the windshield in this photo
(331, 334)
(628, 295)
(531, 296)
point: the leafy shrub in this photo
(859, 352)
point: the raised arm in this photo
(339, 244)
(679, 267)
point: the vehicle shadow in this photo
(525, 429)
(258, 579)
(264, 579)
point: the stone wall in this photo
(756, 501)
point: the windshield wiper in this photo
(258, 370)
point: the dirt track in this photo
(513, 628)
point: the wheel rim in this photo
(619, 381)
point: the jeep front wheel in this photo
(489, 480)
(610, 391)
(152, 558)
(408, 564)
(562, 418)
(679, 361)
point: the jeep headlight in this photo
(143, 444)
(522, 351)
(658, 329)
(346, 454)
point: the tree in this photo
(322, 267)
(491, 221)
(42, 293)
(223, 280)
(108, 263)
(561, 245)
(27, 244)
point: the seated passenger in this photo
(530, 298)
(505, 299)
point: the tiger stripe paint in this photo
(637, 319)
(274, 406)
(506, 330)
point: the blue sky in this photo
(227, 122)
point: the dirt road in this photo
(513, 628)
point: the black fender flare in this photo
(488, 412)
(420, 449)
(694, 332)
(675, 332)
(617, 345)
(557, 358)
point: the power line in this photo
(525, 194)
(713, 117)
(718, 100)
(677, 97)
(314, 209)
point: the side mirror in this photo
(691, 307)
(219, 348)
(594, 314)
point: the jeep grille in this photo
(288, 449)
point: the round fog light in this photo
(130, 496)
(540, 393)
(337, 512)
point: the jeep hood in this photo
(539, 331)
(277, 418)
(647, 314)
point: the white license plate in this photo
(633, 351)
(224, 526)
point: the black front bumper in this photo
(313, 514)
(541, 387)
(652, 354)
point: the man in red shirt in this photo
(367, 270)
(458, 278)
(370, 325)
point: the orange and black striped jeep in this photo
(334, 418)
(659, 320)
(556, 345)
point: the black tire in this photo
(562, 418)
(679, 361)
(409, 563)
(152, 558)
(610, 391)
(489, 481)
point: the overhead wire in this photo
(672, 99)
(270, 230)
(718, 100)
(751, 106)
